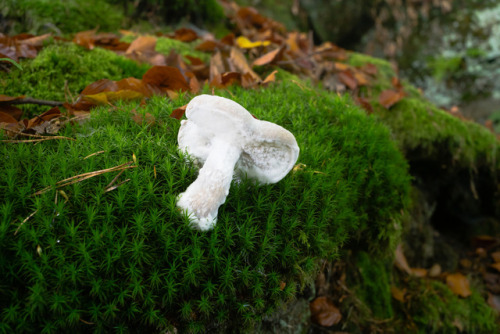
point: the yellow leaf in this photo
(245, 43)
(134, 158)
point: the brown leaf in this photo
(166, 78)
(86, 39)
(458, 284)
(370, 69)
(361, 78)
(185, 35)
(400, 260)
(494, 301)
(495, 266)
(179, 112)
(12, 111)
(495, 256)
(36, 41)
(324, 312)
(435, 270)
(270, 78)
(141, 119)
(364, 103)
(5, 98)
(142, 44)
(208, 46)
(347, 78)
(6, 118)
(398, 294)
(390, 97)
(103, 85)
(419, 272)
(238, 59)
(268, 57)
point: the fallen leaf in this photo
(459, 284)
(324, 313)
(494, 301)
(6, 118)
(271, 77)
(245, 43)
(495, 256)
(5, 98)
(347, 78)
(12, 111)
(400, 260)
(398, 294)
(179, 112)
(364, 103)
(240, 62)
(142, 44)
(166, 78)
(185, 35)
(268, 57)
(419, 272)
(495, 266)
(390, 97)
(208, 45)
(435, 270)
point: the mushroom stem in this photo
(203, 197)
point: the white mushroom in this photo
(224, 137)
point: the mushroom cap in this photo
(269, 151)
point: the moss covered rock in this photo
(127, 260)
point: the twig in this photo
(29, 100)
(35, 140)
(116, 186)
(24, 221)
(84, 176)
(91, 155)
(116, 178)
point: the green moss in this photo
(435, 309)
(374, 285)
(128, 259)
(421, 128)
(165, 45)
(42, 16)
(65, 68)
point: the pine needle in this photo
(24, 221)
(84, 176)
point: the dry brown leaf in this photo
(270, 78)
(324, 312)
(458, 284)
(185, 35)
(179, 112)
(166, 78)
(207, 46)
(398, 294)
(390, 97)
(142, 44)
(6, 118)
(11, 110)
(348, 79)
(494, 301)
(419, 272)
(495, 266)
(400, 260)
(6, 98)
(495, 256)
(435, 270)
(268, 57)
(238, 59)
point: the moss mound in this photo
(63, 70)
(126, 259)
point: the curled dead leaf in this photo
(390, 97)
(324, 312)
(166, 78)
(459, 284)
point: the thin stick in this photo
(116, 186)
(91, 155)
(24, 221)
(35, 140)
(116, 178)
(29, 100)
(84, 176)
